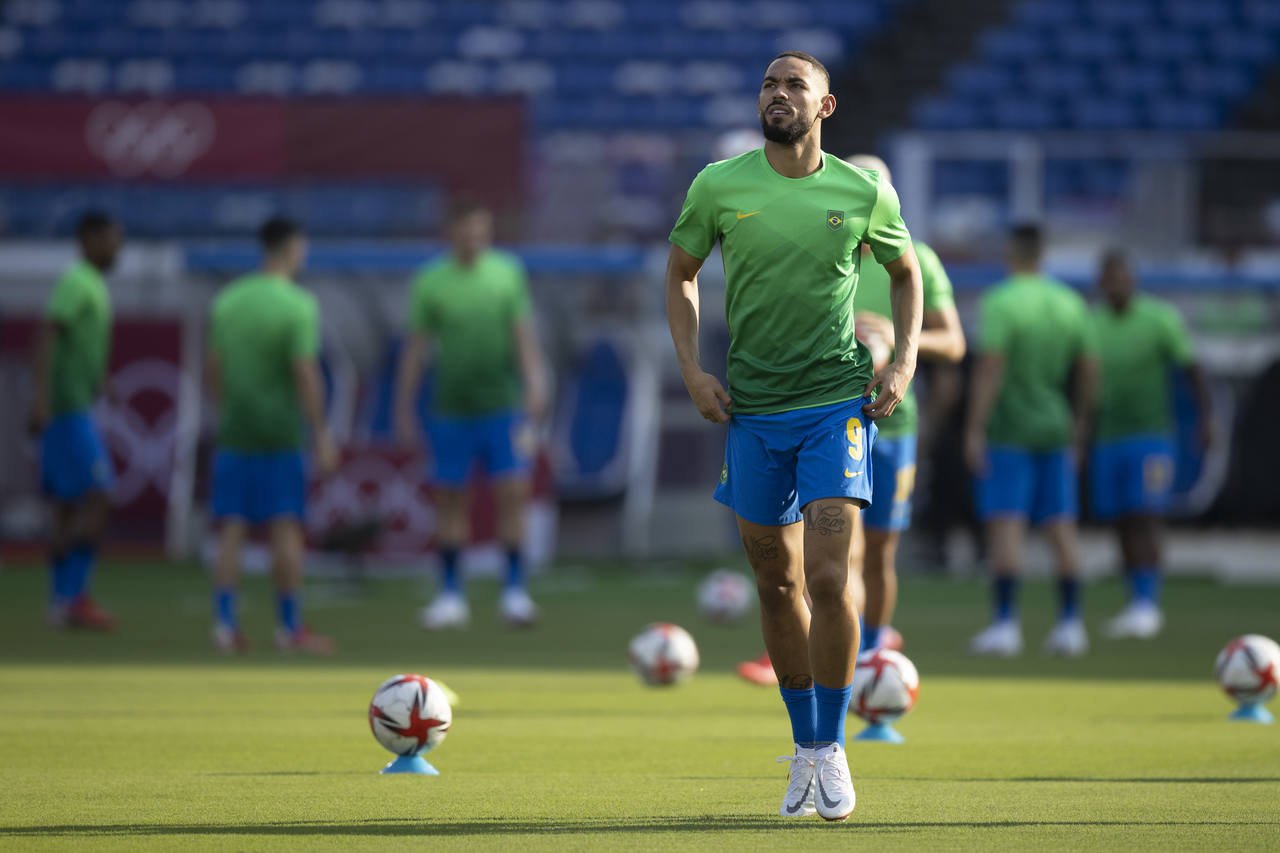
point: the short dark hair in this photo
(276, 232)
(1026, 239)
(463, 206)
(1114, 255)
(809, 58)
(93, 222)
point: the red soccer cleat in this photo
(759, 671)
(86, 615)
(230, 641)
(306, 641)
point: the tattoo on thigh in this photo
(761, 549)
(824, 521)
(796, 682)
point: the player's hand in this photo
(327, 456)
(1207, 433)
(975, 452)
(536, 402)
(709, 396)
(871, 324)
(892, 381)
(407, 430)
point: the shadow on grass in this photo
(496, 827)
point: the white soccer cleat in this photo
(833, 798)
(449, 610)
(1002, 639)
(1068, 639)
(798, 801)
(1140, 621)
(517, 608)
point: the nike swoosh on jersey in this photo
(742, 215)
(849, 473)
(799, 804)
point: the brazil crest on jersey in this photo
(791, 263)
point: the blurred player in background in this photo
(72, 351)
(470, 311)
(1022, 441)
(893, 455)
(264, 375)
(791, 220)
(1141, 342)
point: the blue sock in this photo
(803, 712)
(870, 637)
(224, 608)
(1068, 598)
(79, 565)
(515, 568)
(60, 589)
(1144, 585)
(1006, 593)
(833, 706)
(449, 576)
(289, 612)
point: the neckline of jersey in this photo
(822, 170)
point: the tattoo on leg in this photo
(796, 682)
(827, 521)
(762, 549)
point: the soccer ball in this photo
(663, 654)
(724, 596)
(885, 686)
(1248, 668)
(409, 714)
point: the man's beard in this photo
(785, 134)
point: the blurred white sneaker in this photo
(1002, 639)
(835, 798)
(449, 610)
(517, 608)
(798, 801)
(1068, 639)
(1141, 620)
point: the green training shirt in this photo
(80, 307)
(1137, 349)
(874, 296)
(262, 325)
(1040, 326)
(471, 314)
(791, 264)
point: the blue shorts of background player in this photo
(497, 442)
(774, 465)
(1131, 476)
(894, 466)
(73, 459)
(258, 487)
(1039, 485)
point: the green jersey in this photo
(874, 296)
(262, 326)
(80, 307)
(791, 264)
(1137, 349)
(1041, 328)
(471, 313)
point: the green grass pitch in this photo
(148, 740)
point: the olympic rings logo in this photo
(151, 138)
(370, 485)
(143, 447)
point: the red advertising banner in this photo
(475, 146)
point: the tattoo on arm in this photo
(796, 682)
(761, 549)
(824, 521)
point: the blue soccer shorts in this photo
(73, 458)
(1131, 475)
(774, 465)
(894, 465)
(1039, 485)
(499, 443)
(258, 487)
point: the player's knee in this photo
(777, 590)
(827, 580)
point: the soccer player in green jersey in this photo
(1142, 342)
(72, 350)
(1022, 437)
(791, 221)
(470, 311)
(264, 340)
